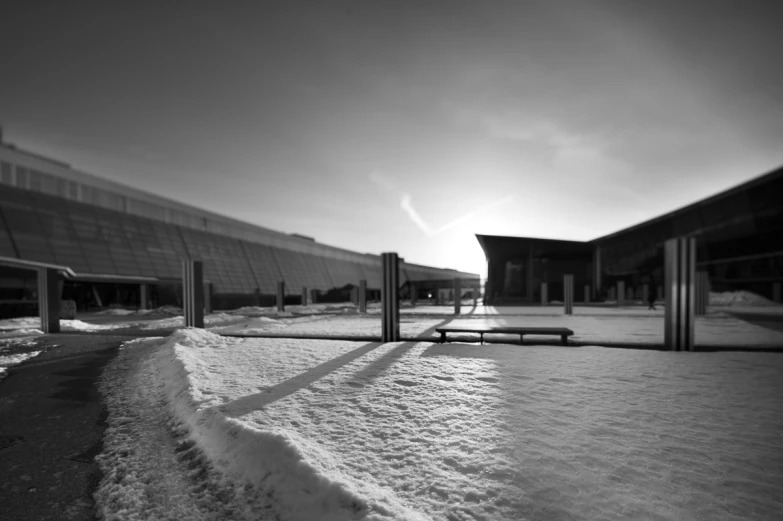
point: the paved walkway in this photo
(51, 428)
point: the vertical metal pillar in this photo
(680, 270)
(144, 296)
(597, 273)
(776, 287)
(390, 306)
(568, 294)
(702, 293)
(544, 294)
(207, 297)
(193, 293)
(362, 296)
(304, 295)
(620, 293)
(414, 294)
(314, 296)
(587, 293)
(281, 296)
(457, 295)
(528, 280)
(49, 300)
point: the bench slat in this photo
(521, 331)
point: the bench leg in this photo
(521, 339)
(564, 339)
(442, 337)
(481, 335)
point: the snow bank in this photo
(179, 321)
(20, 323)
(301, 476)
(739, 298)
(14, 333)
(295, 310)
(7, 361)
(250, 327)
(117, 312)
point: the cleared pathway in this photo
(51, 429)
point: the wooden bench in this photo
(521, 331)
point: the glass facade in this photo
(94, 240)
(739, 237)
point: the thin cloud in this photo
(406, 203)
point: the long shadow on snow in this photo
(254, 402)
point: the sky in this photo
(404, 126)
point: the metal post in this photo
(314, 296)
(49, 300)
(144, 296)
(587, 293)
(620, 293)
(680, 270)
(362, 296)
(702, 293)
(281, 296)
(390, 306)
(544, 294)
(597, 273)
(457, 296)
(568, 294)
(304, 296)
(193, 293)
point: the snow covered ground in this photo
(209, 427)
(717, 329)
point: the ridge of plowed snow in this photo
(300, 476)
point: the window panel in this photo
(6, 173)
(48, 183)
(21, 177)
(73, 190)
(264, 267)
(34, 180)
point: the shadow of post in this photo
(372, 370)
(254, 402)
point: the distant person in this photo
(651, 295)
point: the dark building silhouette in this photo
(739, 234)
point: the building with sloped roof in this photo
(107, 239)
(739, 237)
